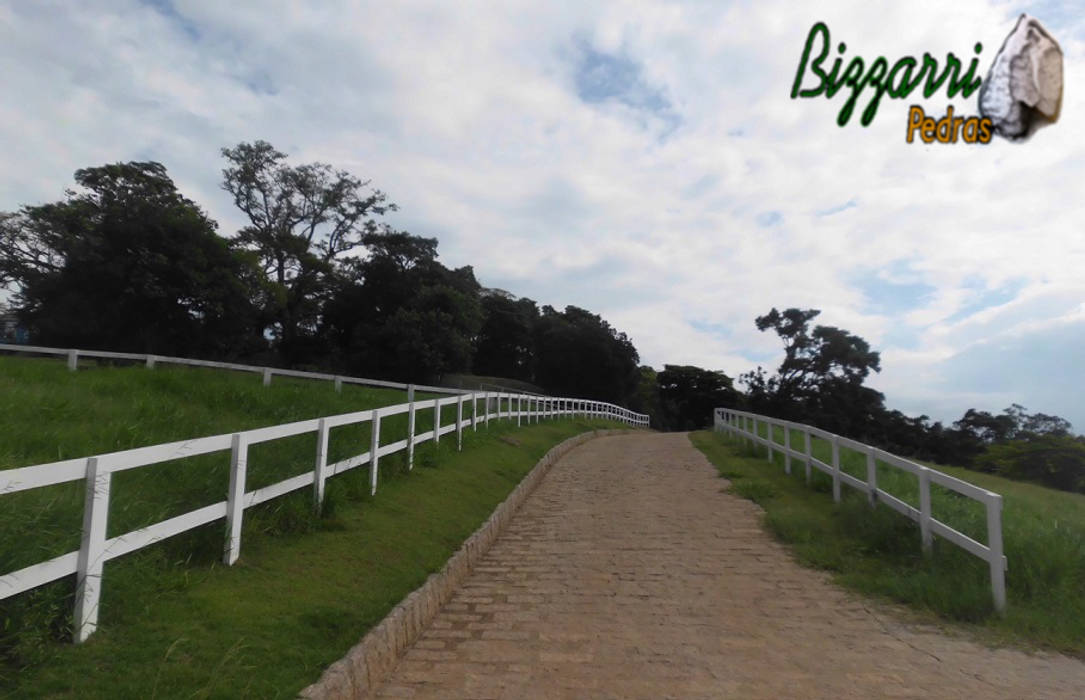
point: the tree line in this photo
(821, 382)
(314, 279)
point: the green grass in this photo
(49, 414)
(173, 621)
(877, 551)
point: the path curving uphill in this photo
(629, 574)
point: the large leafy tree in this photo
(580, 354)
(646, 398)
(127, 263)
(505, 346)
(821, 374)
(398, 313)
(690, 394)
(302, 219)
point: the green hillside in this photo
(878, 552)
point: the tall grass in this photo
(877, 551)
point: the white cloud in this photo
(467, 115)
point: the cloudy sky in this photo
(643, 160)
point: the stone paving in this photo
(629, 574)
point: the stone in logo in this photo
(1023, 89)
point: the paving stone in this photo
(629, 574)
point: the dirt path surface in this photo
(628, 574)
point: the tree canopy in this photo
(822, 371)
(302, 219)
(820, 381)
(129, 264)
(126, 262)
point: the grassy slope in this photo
(268, 626)
(878, 552)
(174, 622)
(49, 414)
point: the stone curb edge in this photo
(372, 659)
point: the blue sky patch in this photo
(768, 219)
(901, 336)
(715, 329)
(987, 298)
(167, 10)
(850, 204)
(886, 293)
(603, 77)
(700, 186)
(763, 359)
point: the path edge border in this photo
(371, 661)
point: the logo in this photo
(1021, 92)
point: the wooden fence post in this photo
(807, 451)
(320, 472)
(410, 426)
(994, 543)
(836, 468)
(871, 476)
(235, 498)
(436, 421)
(90, 563)
(787, 448)
(374, 448)
(73, 360)
(925, 509)
(459, 423)
(267, 376)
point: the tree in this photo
(400, 314)
(647, 399)
(301, 220)
(689, 395)
(986, 428)
(1054, 460)
(129, 264)
(505, 346)
(580, 354)
(822, 371)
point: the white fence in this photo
(96, 549)
(151, 361)
(747, 425)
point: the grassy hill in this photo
(878, 552)
(174, 622)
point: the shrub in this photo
(1055, 461)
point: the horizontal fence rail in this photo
(72, 355)
(742, 424)
(87, 563)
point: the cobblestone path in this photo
(629, 574)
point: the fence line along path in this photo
(151, 361)
(95, 549)
(750, 426)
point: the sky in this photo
(643, 160)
